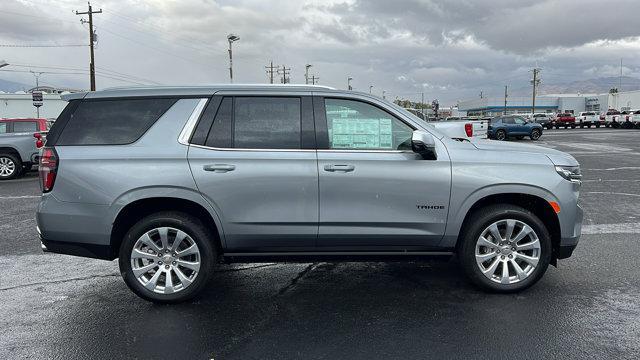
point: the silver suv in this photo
(173, 181)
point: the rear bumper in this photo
(77, 249)
(74, 228)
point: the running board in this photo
(307, 256)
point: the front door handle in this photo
(219, 168)
(342, 168)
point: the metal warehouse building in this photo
(552, 103)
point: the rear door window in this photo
(25, 126)
(267, 123)
(112, 122)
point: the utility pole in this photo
(481, 94)
(535, 82)
(270, 71)
(505, 100)
(314, 79)
(284, 72)
(383, 92)
(422, 106)
(306, 73)
(349, 83)
(370, 87)
(92, 65)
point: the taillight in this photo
(468, 128)
(601, 117)
(48, 168)
(39, 142)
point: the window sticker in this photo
(361, 133)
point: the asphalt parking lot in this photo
(57, 306)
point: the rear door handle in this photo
(342, 168)
(219, 168)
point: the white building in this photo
(553, 103)
(20, 105)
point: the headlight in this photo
(571, 173)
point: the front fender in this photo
(456, 219)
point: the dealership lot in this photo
(67, 307)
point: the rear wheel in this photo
(10, 166)
(535, 134)
(167, 257)
(505, 248)
(501, 135)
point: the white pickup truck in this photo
(588, 118)
(466, 128)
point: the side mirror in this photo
(422, 143)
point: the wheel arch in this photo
(138, 208)
(536, 203)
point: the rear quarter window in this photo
(112, 122)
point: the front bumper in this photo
(569, 239)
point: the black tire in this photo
(557, 127)
(474, 227)
(501, 135)
(201, 235)
(535, 134)
(573, 126)
(10, 161)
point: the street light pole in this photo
(37, 76)
(231, 38)
(349, 83)
(306, 73)
(370, 87)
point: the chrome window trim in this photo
(247, 149)
(303, 150)
(190, 125)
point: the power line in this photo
(39, 46)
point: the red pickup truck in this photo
(566, 120)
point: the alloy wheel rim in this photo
(501, 135)
(165, 260)
(536, 134)
(507, 251)
(7, 166)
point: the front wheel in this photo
(167, 257)
(501, 135)
(505, 248)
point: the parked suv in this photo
(18, 152)
(543, 119)
(504, 127)
(172, 181)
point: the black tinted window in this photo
(25, 126)
(266, 123)
(112, 122)
(220, 133)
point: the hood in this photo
(557, 157)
